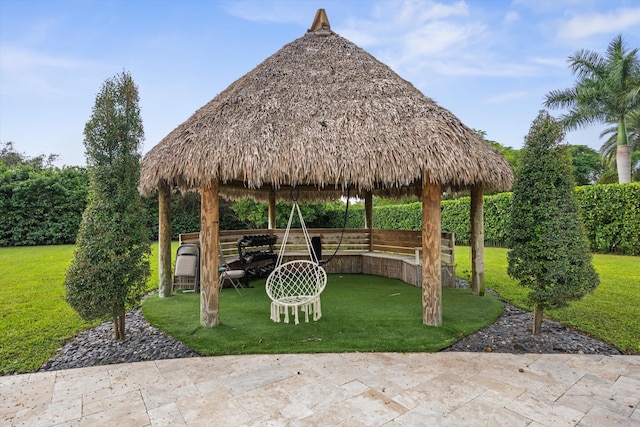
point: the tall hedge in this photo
(610, 214)
(611, 217)
(41, 206)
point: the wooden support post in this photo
(368, 216)
(272, 209)
(209, 240)
(477, 241)
(431, 285)
(165, 286)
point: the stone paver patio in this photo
(350, 389)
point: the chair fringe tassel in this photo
(311, 307)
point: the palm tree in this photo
(608, 150)
(607, 89)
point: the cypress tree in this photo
(549, 250)
(110, 265)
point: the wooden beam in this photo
(431, 286)
(272, 209)
(165, 286)
(209, 237)
(477, 241)
(368, 216)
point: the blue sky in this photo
(490, 62)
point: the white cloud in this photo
(554, 62)
(583, 26)
(29, 70)
(511, 17)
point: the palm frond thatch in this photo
(323, 114)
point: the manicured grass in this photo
(611, 313)
(360, 313)
(35, 320)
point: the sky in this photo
(490, 62)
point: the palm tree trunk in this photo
(623, 154)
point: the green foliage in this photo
(611, 215)
(398, 217)
(10, 157)
(512, 155)
(316, 215)
(40, 206)
(549, 251)
(359, 313)
(110, 266)
(587, 164)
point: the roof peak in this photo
(320, 23)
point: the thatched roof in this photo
(324, 114)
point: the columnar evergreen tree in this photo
(110, 266)
(549, 249)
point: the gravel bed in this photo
(511, 333)
(96, 346)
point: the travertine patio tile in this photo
(261, 401)
(212, 411)
(319, 395)
(600, 417)
(120, 410)
(354, 389)
(167, 415)
(256, 378)
(75, 386)
(445, 389)
(607, 367)
(488, 409)
(131, 377)
(20, 392)
(370, 408)
(544, 411)
(51, 414)
(174, 385)
(498, 384)
(425, 415)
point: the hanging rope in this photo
(344, 226)
(312, 255)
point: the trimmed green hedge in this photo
(611, 217)
(610, 213)
(41, 206)
(44, 207)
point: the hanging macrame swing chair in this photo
(296, 285)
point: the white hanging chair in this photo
(296, 284)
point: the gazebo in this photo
(322, 115)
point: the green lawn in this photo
(360, 313)
(35, 320)
(611, 313)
